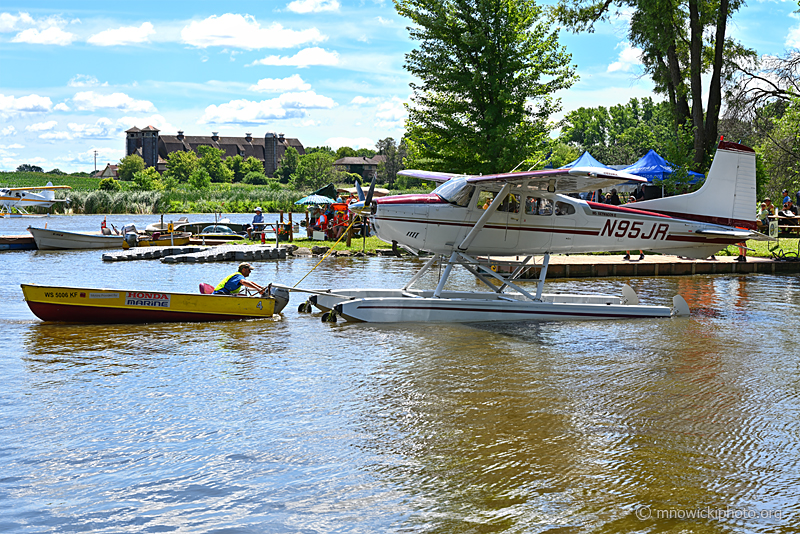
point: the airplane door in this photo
(536, 225)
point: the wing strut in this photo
(498, 199)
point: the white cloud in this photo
(10, 23)
(629, 57)
(286, 106)
(25, 104)
(102, 129)
(123, 36)
(313, 6)
(243, 31)
(84, 80)
(50, 36)
(12, 147)
(56, 136)
(304, 58)
(90, 101)
(793, 38)
(127, 122)
(279, 85)
(365, 101)
(87, 157)
(41, 126)
(384, 22)
(391, 115)
(358, 142)
(8, 131)
(61, 106)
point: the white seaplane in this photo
(17, 199)
(531, 214)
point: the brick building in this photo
(154, 148)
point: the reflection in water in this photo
(291, 425)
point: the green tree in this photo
(27, 167)
(680, 40)
(235, 164)
(780, 150)
(326, 149)
(252, 164)
(288, 165)
(488, 71)
(128, 166)
(314, 171)
(57, 171)
(393, 160)
(211, 161)
(346, 152)
(181, 165)
(365, 153)
(109, 184)
(147, 180)
(200, 179)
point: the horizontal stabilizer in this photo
(744, 234)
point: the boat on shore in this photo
(47, 239)
(104, 306)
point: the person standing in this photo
(627, 256)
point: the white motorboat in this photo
(47, 239)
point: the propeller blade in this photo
(368, 198)
(360, 191)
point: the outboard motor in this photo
(281, 297)
(131, 239)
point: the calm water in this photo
(295, 426)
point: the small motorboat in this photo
(156, 239)
(216, 234)
(47, 239)
(93, 305)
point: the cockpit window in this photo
(456, 191)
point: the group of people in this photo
(767, 209)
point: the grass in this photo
(357, 244)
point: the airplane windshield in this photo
(456, 191)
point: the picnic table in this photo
(787, 225)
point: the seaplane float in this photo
(15, 200)
(529, 214)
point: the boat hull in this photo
(58, 240)
(17, 242)
(92, 305)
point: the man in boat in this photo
(232, 284)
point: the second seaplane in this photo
(15, 200)
(529, 214)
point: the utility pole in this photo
(95, 161)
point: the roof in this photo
(360, 160)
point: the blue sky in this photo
(75, 75)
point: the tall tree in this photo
(130, 165)
(675, 54)
(393, 162)
(181, 165)
(488, 71)
(288, 165)
(314, 171)
(211, 161)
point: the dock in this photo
(199, 254)
(603, 265)
(17, 242)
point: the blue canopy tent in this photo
(655, 168)
(586, 160)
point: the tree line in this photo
(312, 170)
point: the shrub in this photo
(109, 184)
(255, 178)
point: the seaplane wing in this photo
(741, 234)
(574, 180)
(38, 188)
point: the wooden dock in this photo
(598, 266)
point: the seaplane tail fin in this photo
(728, 196)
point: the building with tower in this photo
(154, 148)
